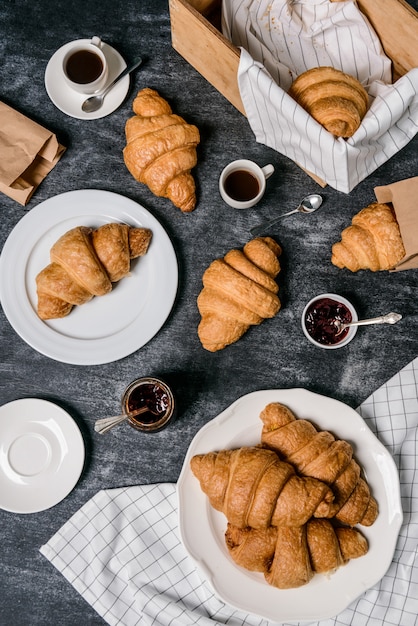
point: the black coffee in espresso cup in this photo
(85, 66)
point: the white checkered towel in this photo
(279, 40)
(122, 551)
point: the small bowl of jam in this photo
(153, 394)
(318, 319)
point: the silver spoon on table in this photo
(390, 318)
(93, 103)
(308, 205)
(106, 423)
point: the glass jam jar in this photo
(154, 395)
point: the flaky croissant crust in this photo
(161, 149)
(84, 263)
(372, 242)
(253, 487)
(290, 556)
(238, 291)
(320, 455)
(333, 98)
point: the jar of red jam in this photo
(153, 395)
(319, 317)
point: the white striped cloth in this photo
(280, 39)
(122, 550)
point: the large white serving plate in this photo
(202, 528)
(109, 327)
(41, 455)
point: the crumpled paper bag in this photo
(403, 196)
(280, 39)
(28, 152)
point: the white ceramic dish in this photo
(68, 100)
(351, 332)
(107, 328)
(41, 455)
(202, 528)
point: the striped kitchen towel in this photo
(279, 40)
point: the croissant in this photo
(290, 556)
(238, 291)
(336, 100)
(85, 263)
(161, 149)
(319, 455)
(253, 487)
(373, 241)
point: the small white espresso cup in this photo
(242, 183)
(85, 66)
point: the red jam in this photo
(319, 320)
(153, 394)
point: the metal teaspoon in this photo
(390, 318)
(106, 423)
(95, 102)
(308, 205)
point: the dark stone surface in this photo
(274, 355)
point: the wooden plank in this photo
(396, 23)
(206, 49)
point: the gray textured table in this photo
(274, 355)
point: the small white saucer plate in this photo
(41, 455)
(68, 100)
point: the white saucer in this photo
(41, 455)
(68, 100)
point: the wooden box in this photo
(196, 35)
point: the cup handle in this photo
(96, 41)
(267, 170)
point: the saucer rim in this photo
(54, 82)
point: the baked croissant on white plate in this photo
(85, 263)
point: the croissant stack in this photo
(336, 100)
(161, 149)
(238, 291)
(319, 455)
(373, 241)
(253, 487)
(85, 263)
(290, 556)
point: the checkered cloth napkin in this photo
(122, 551)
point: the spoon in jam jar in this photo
(390, 318)
(309, 204)
(106, 423)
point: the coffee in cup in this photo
(242, 183)
(85, 66)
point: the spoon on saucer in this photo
(390, 318)
(106, 423)
(93, 103)
(308, 205)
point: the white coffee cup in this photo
(242, 183)
(85, 66)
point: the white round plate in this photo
(41, 455)
(70, 101)
(202, 528)
(109, 327)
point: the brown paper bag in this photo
(403, 196)
(28, 152)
